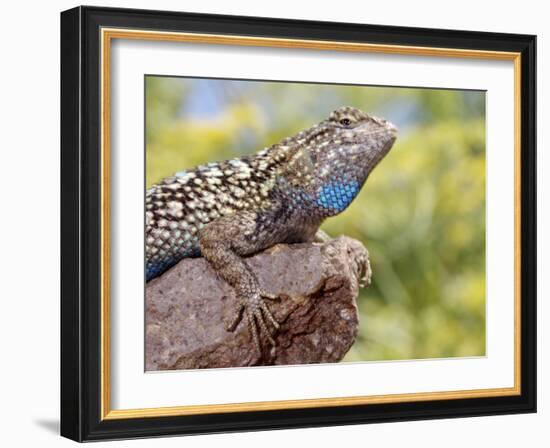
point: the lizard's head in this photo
(331, 161)
(343, 151)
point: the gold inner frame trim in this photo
(107, 35)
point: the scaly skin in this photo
(228, 210)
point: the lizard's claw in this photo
(364, 269)
(268, 295)
(257, 313)
(238, 316)
(366, 278)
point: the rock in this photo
(189, 307)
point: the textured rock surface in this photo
(188, 308)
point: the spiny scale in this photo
(181, 205)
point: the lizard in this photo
(226, 211)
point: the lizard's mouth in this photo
(377, 140)
(377, 143)
(391, 128)
(388, 144)
(386, 128)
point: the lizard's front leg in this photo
(223, 243)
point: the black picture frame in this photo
(81, 211)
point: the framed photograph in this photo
(276, 224)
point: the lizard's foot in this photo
(365, 276)
(257, 316)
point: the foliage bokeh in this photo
(421, 213)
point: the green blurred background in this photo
(421, 213)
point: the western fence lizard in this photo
(225, 211)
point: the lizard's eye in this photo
(345, 121)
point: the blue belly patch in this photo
(338, 195)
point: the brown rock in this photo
(189, 307)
